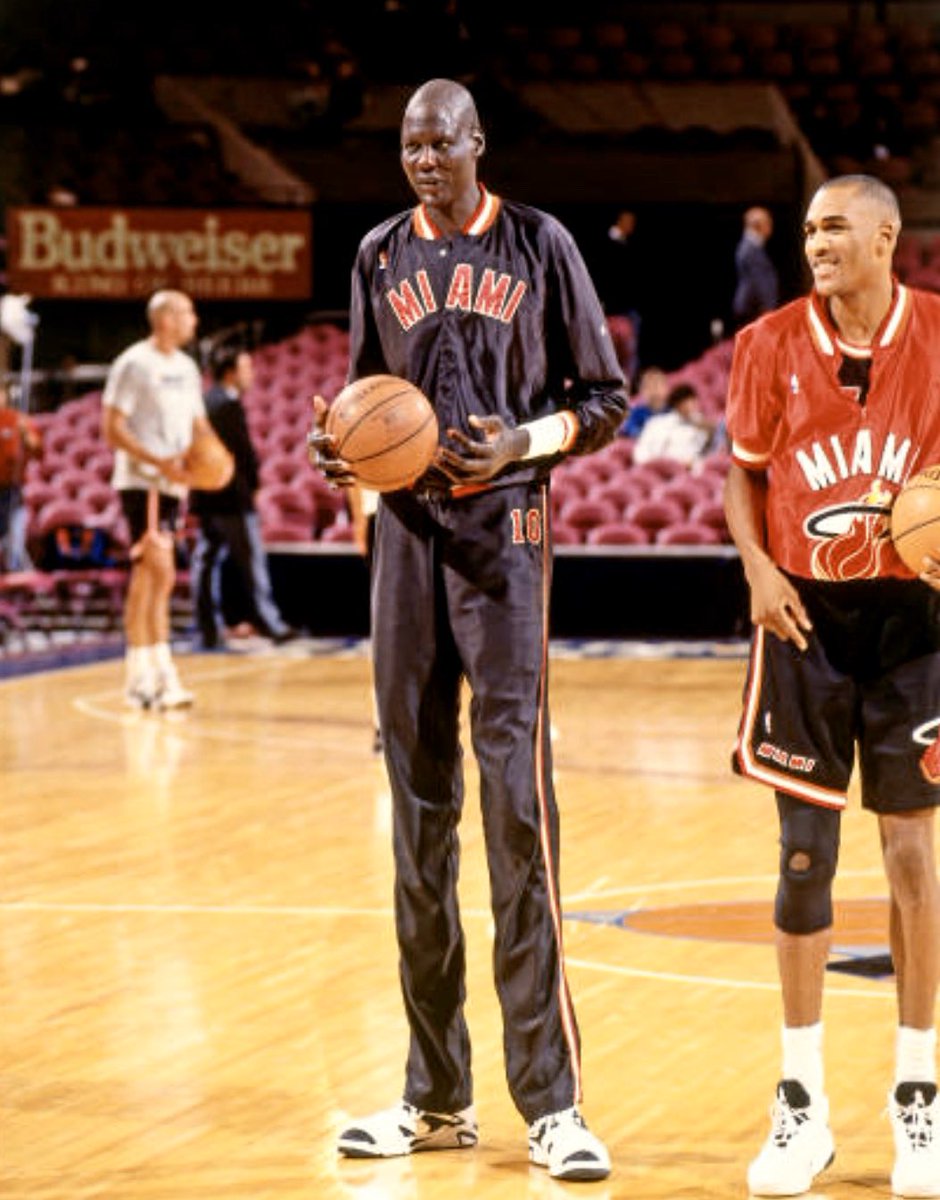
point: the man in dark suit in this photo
(758, 287)
(229, 526)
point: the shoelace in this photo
(548, 1124)
(917, 1119)
(786, 1122)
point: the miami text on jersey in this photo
(495, 296)
(829, 461)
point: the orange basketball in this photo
(385, 429)
(915, 519)
(208, 463)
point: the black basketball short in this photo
(135, 502)
(869, 681)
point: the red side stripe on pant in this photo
(564, 996)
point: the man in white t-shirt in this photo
(682, 432)
(153, 408)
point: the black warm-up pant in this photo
(460, 590)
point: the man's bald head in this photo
(166, 300)
(438, 95)
(172, 318)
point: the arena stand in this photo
(603, 504)
(78, 538)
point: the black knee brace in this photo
(809, 851)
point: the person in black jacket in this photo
(486, 305)
(228, 522)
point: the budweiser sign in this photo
(123, 253)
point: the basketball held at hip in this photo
(915, 519)
(385, 429)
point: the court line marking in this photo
(333, 911)
(328, 911)
(93, 704)
(716, 981)
(680, 885)
(225, 910)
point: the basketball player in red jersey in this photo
(485, 305)
(834, 401)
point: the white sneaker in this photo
(141, 692)
(405, 1129)
(563, 1143)
(798, 1147)
(914, 1109)
(170, 691)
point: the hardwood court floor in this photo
(197, 964)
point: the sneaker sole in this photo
(582, 1174)
(793, 1191)
(926, 1192)
(355, 1149)
(577, 1172)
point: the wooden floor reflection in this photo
(197, 964)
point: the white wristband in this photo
(549, 435)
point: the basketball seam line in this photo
(395, 445)
(381, 404)
(897, 537)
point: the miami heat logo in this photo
(929, 735)
(851, 538)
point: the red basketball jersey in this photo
(834, 463)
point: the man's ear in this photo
(479, 143)
(887, 237)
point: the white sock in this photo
(915, 1052)
(802, 1056)
(138, 661)
(162, 658)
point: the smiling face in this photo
(849, 239)
(440, 145)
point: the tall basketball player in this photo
(487, 307)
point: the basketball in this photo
(385, 429)
(915, 519)
(209, 465)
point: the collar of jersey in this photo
(827, 336)
(480, 219)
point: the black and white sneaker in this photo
(562, 1142)
(405, 1129)
(798, 1146)
(914, 1109)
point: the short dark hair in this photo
(872, 189)
(682, 391)
(223, 360)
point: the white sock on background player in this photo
(140, 676)
(138, 662)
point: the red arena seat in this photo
(618, 533)
(585, 514)
(687, 533)
(654, 515)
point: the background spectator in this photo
(20, 440)
(758, 287)
(649, 401)
(228, 522)
(683, 432)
